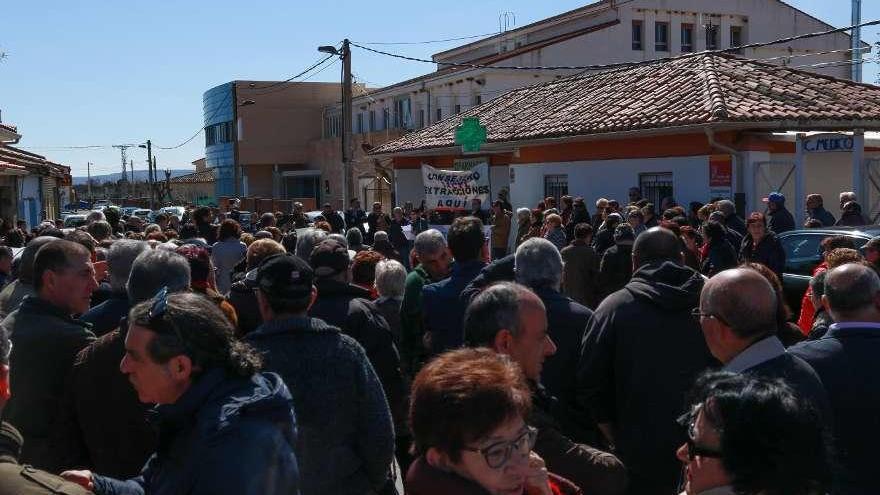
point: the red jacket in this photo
(808, 311)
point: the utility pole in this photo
(89, 179)
(345, 54)
(149, 148)
(346, 121)
(153, 198)
(856, 48)
(131, 178)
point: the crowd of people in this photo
(545, 350)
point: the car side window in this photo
(802, 252)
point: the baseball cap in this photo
(282, 275)
(774, 197)
(329, 258)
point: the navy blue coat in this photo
(443, 309)
(846, 361)
(346, 440)
(105, 316)
(223, 435)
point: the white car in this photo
(142, 213)
(73, 221)
(101, 204)
(177, 211)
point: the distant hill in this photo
(139, 175)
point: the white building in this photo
(694, 128)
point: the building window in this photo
(421, 118)
(457, 109)
(360, 123)
(556, 186)
(373, 121)
(661, 36)
(655, 187)
(386, 118)
(478, 100)
(402, 114)
(687, 38)
(439, 114)
(209, 136)
(736, 38)
(638, 35)
(711, 37)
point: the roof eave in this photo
(513, 146)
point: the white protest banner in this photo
(455, 189)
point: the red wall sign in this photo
(720, 171)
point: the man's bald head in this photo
(656, 244)
(743, 300)
(850, 290)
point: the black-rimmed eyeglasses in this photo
(498, 454)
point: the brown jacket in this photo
(500, 230)
(580, 273)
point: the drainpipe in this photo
(739, 197)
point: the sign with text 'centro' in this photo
(828, 143)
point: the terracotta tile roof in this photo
(9, 127)
(200, 177)
(694, 90)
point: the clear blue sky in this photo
(108, 72)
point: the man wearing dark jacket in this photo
(846, 361)
(816, 210)
(538, 266)
(432, 257)
(738, 314)
(356, 217)
(640, 355)
(46, 339)
(346, 306)
(731, 220)
(16, 479)
(346, 438)
(337, 223)
(581, 269)
(113, 437)
(779, 219)
(615, 268)
(443, 309)
(223, 426)
(511, 319)
(105, 316)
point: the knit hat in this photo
(329, 258)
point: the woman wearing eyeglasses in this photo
(467, 412)
(751, 436)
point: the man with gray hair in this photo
(105, 316)
(731, 220)
(112, 436)
(846, 361)
(738, 316)
(390, 284)
(538, 266)
(306, 242)
(431, 259)
(511, 320)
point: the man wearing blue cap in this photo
(779, 219)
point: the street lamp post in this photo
(345, 54)
(149, 149)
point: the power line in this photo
(617, 65)
(427, 42)
(279, 83)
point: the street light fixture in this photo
(332, 50)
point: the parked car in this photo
(101, 204)
(176, 211)
(143, 213)
(129, 210)
(74, 221)
(803, 254)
